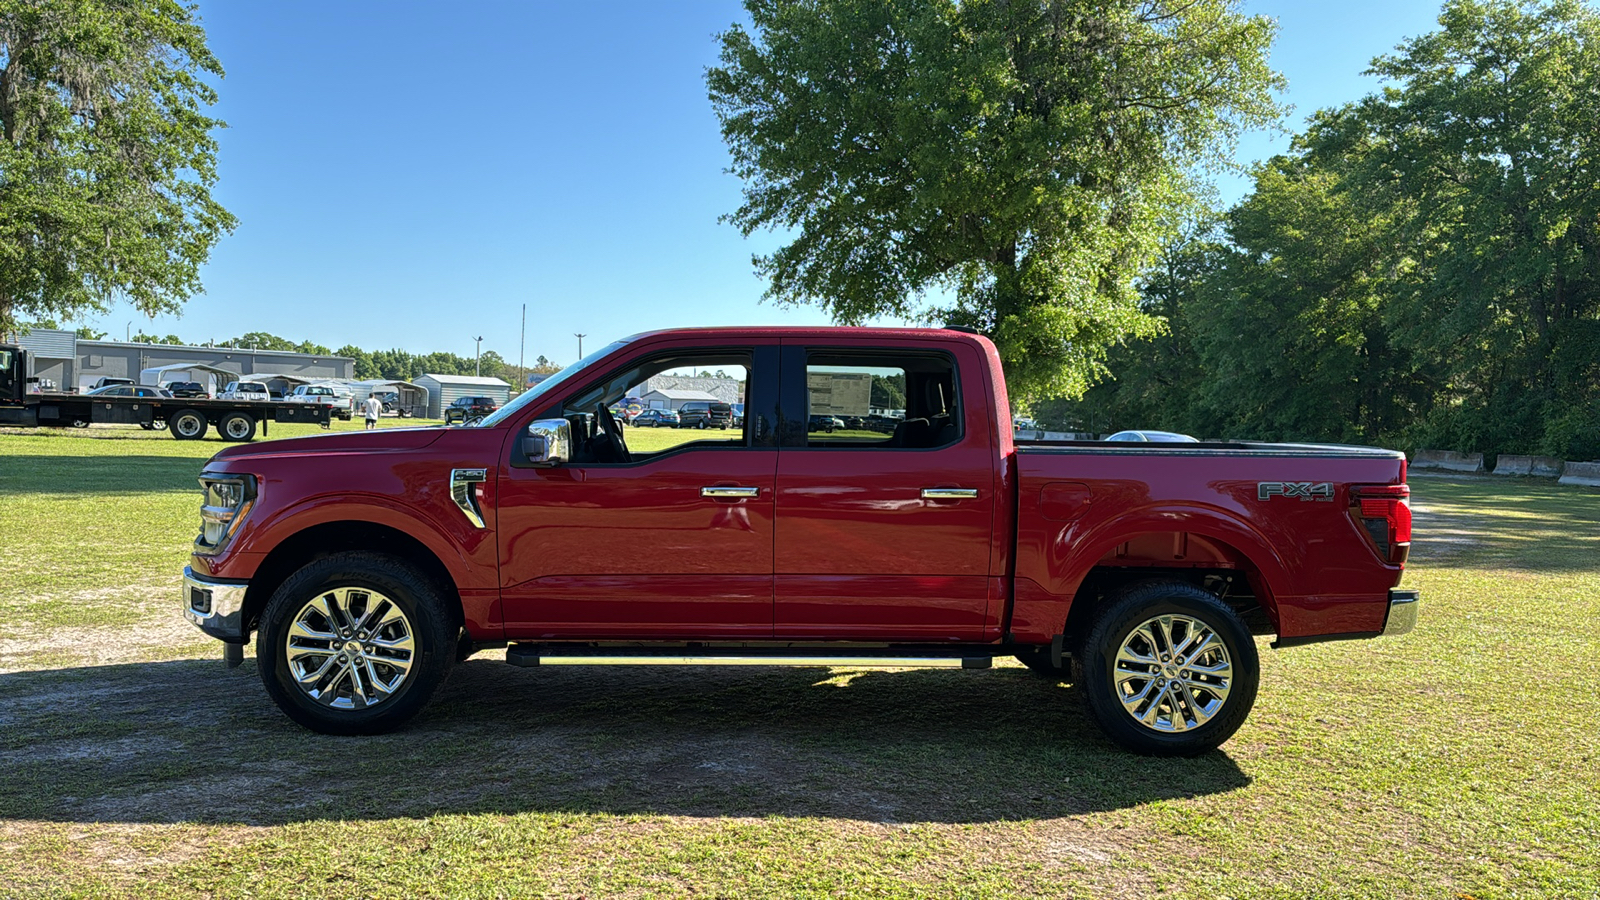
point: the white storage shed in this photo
(445, 389)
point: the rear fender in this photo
(1072, 550)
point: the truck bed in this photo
(1276, 524)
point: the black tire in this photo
(701, 425)
(187, 424)
(1114, 625)
(237, 426)
(148, 426)
(433, 630)
(1037, 659)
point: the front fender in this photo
(466, 551)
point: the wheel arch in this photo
(1210, 548)
(327, 538)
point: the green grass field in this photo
(1460, 761)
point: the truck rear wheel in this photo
(1168, 670)
(355, 643)
(187, 425)
(237, 426)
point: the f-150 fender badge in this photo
(1304, 490)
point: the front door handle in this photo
(949, 493)
(729, 493)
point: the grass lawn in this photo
(1460, 761)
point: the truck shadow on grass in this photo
(188, 741)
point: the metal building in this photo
(445, 389)
(75, 364)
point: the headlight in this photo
(227, 499)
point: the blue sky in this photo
(409, 174)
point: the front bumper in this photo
(1403, 605)
(215, 607)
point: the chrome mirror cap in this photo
(548, 442)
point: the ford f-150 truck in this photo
(367, 564)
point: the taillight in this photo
(1385, 513)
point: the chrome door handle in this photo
(724, 493)
(949, 493)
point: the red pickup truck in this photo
(367, 564)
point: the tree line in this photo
(1421, 269)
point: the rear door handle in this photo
(725, 493)
(949, 493)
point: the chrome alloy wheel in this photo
(1173, 673)
(350, 648)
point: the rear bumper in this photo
(1402, 611)
(1400, 619)
(215, 607)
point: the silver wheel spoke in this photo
(1192, 705)
(310, 679)
(1178, 721)
(301, 630)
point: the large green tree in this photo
(1422, 269)
(1022, 158)
(1487, 145)
(107, 156)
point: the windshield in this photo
(548, 385)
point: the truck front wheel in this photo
(355, 643)
(1168, 670)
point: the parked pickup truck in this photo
(367, 564)
(338, 398)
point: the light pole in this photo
(580, 338)
(477, 365)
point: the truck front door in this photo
(674, 542)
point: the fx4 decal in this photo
(1304, 490)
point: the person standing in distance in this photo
(372, 408)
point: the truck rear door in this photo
(883, 532)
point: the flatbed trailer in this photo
(187, 419)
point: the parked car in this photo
(465, 409)
(108, 381)
(656, 418)
(365, 565)
(705, 414)
(245, 390)
(825, 423)
(186, 389)
(129, 390)
(1152, 437)
(738, 414)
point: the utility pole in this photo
(477, 365)
(580, 338)
(522, 344)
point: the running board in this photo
(533, 655)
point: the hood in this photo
(377, 441)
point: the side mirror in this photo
(548, 442)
